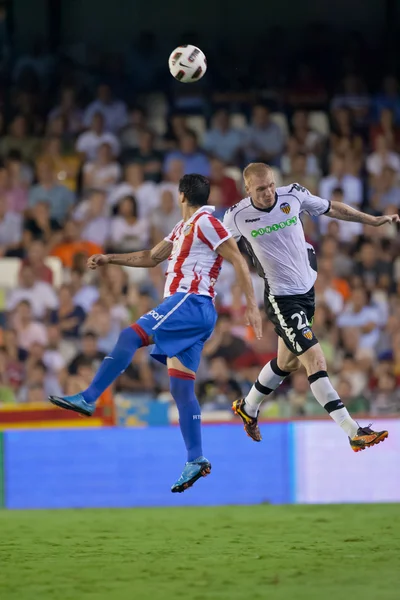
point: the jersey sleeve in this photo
(313, 205)
(212, 232)
(171, 237)
(229, 223)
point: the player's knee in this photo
(290, 365)
(314, 360)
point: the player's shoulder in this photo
(233, 210)
(294, 189)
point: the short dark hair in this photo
(195, 188)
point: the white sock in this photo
(327, 397)
(268, 380)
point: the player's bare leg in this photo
(315, 364)
(268, 380)
(182, 382)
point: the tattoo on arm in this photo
(161, 252)
(344, 212)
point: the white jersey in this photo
(194, 264)
(274, 238)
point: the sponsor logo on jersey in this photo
(251, 220)
(285, 208)
(155, 315)
(187, 229)
(275, 227)
(307, 333)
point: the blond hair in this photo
(255, 169)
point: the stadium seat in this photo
(281, 120)
(55, 265)
(319, 121)
(198, 124)
(238, 121)
(9, 269)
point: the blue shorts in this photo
(179, 326)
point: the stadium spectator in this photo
(194, 160)
(40, 226)
(388, 97)
(351, 185)
(220, 389)
(263, 140)
(223, 141)
(171, 179)
(91, 214)
(370, 267)
(385, 191)
(137, 377)
(227, 185)
(67, 315)
(39, 294)
(69, 111)
(18, 139)
(89, 142)
(59, 198)
(382, 157)
(13, 185)
(176, 128)
(66, 163)
(128, 233)
(102, 173)
(114, 111)
(164, 219)
(386, 127)
(10, 228)
(360, 320)
(309, 140)
(28, 331)
(129, 135)
(35, 258)
(134, 184)
(88, 351)
(354, 96)
(344, 136)
(71, 244)
(145, 155)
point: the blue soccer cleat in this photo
(191, 473)
(77, 403)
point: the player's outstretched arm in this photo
(145, 258)
(230, 251)
(344, 212)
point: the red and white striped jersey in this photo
(194, 265)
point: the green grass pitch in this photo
(225, 553)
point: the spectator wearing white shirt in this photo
(91, 213)
(338, 178)
(145, 192)
(347, 230)
(114, 111)
(382, 157)
(104, 172)
(89, 142)
(164, 219)
(171, 179)
(222, 140)
(128, 233)
(39, 294)
(360, 319)
(28, 331)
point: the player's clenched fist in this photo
(97, 260)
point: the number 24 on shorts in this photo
(301, 318)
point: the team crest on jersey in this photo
(307, 333)
(187, 229)
(285, 208)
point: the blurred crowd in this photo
(77, 178)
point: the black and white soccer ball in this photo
(187, 64)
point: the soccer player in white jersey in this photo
(268, 222)
(185, 319)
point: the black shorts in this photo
(292, 317)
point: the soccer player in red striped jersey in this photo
(182, 323)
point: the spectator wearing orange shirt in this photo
(72, 245)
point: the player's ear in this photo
(181, 197)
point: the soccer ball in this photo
(187, 64)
